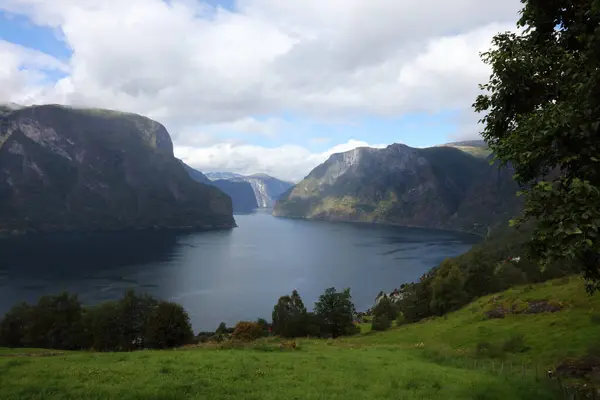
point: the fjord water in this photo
(225, 275)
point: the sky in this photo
(272, 86)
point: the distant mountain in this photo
(267, 189)
(213, 176)
(65, 168)
(437, 187)
(241, 193)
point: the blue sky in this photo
(259, 85)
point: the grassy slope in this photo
(372, 365)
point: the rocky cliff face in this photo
(89, 169)
(438, 187)
(267, 189)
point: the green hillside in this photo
(464, 355)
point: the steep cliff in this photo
(437, 187)
(267, 189)
(241, 193)
(88, 169)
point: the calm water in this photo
(228, 275)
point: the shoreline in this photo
(13, 233)
(481, 236)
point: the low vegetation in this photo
(464, 355)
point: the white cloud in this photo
(22, 72)
(290, 162)
(205, 71)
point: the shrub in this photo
(288, 345)
(247, 331)
(515, 344)
(381, 323)
(486, 349)
(400, 320)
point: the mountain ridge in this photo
(67, 168)
(439, 187)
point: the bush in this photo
(381, 323)
(400, 320)
(247, 331)
(485, 349)
(515, 344)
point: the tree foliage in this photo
(542, 115)
(336, 311)
(60, 322)
(290, 316)
(168, 326)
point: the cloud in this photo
(205, 71)
(290, 162)
(22, 70)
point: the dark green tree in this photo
(381, 322)
(134, 312)
(448, 293)
(222, 329)
(336, 312)
(102, 327)
(56, 323)
(15, 325)
(542, 115)
(385, 307)
(289, 316)
(168, 326)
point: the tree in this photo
(134, 312)
(385, 307)
(289, 316)
(336, 311)
(15, 325)
(56, 323)
(542, 115)
(221, 329)
(168, 326)
(381, 322)
(448, 293)
(102, 327)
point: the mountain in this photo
(438, 187)
(213, 176)
(477, 148)
(197, 175)
(65, 168)
(266, 188)
(242, 194)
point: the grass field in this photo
(384, 365)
